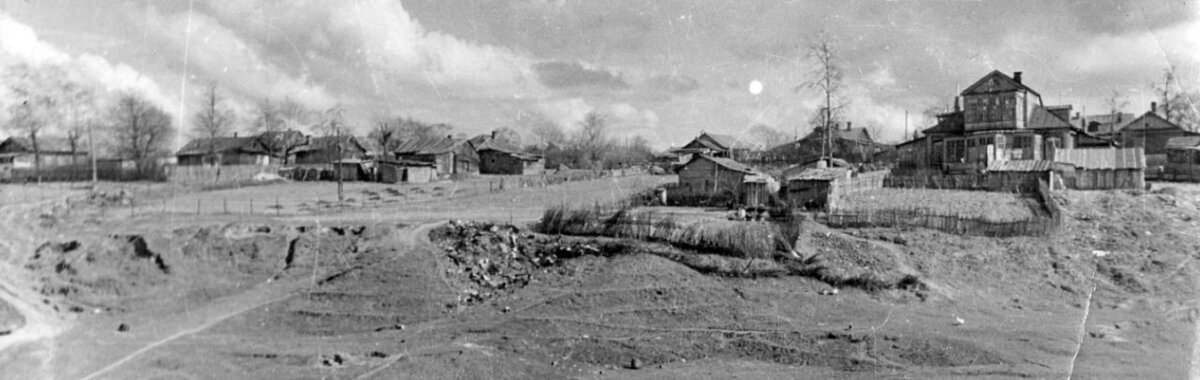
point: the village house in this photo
(281, 145)
(721, 146)
(499, 158)
(711, 177)
(223, 151)
(1149, 131)
(448, 155)
(324, 150)
(18, 153)
(404, 171)
(1183, 158)
(849, 143)
(1001, 119)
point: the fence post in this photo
(225, 205)
(278, 208)
(197, 206)
(251, 206)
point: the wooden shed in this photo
(707, 176)
(496, 158)
(815, 188)
(1022, 176)
(398, 171)
(1104, 168)
(1183, 159)
(352, 169)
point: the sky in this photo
(666, 70)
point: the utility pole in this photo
(337, 133)
(92, 150)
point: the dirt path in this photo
(25, 350)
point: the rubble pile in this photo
(490, 259)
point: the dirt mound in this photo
(94, 271)
(10, 319)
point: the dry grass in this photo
(992, 206)
(730, 238)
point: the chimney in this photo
(235, 133)
(956, 107)
(307, 140)
(1017, 76)
(493, 134)
(1154, 107)
(849, 124)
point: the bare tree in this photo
(332, 126)
(39, 94)
(140, 130)
(592, 137)
(1116, 103)
(547, 131)
(509, 136)
(826, 77)
(212, 120)
(384, 134)
(766, 136)
(276, 121)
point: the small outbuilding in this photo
(1183, 159)
(1104, 168)
(497, 158)
(707, 176)
(398, 171)
(1023, 175)
(815, 188)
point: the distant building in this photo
(324, 150)
(1001, 119)
(499, 158)
(223, 151)
(449, 155)
(18, 152)
(713, 177)
(281, 145)
(812, 188)
(1183, 158)
(722, 146)
(1151, 132)
(398, 171)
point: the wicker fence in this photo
(1042, 225)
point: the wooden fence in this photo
(1042, 225)
(217, 174)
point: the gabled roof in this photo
(1103, 158)
(951, 123)
(46, 144)
(1003, 83)
(722, 162)
(1154, 121)
(324, 142)
(498, 146)
(731, 142)
(222, 145)
(1105, 123)
(1041, 118)
(859, 135)
(1184, 143)
(428, 145)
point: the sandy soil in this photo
(362, 292)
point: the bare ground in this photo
(363, 293)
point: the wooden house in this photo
(224, 151)
(1150, 131)
(738, 148)
(1183, 159)
(281, 145)
(17, 152)
(712, 177)
(449, 155)
(498, 158)
(324, 150)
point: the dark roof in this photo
(428, 145)
(498, 146)
(1103, 158)
(731, 142)
(324, 142)
(1184, 143)
(722, 162)
(859, 135)
(46, 144)
(1004, 80)
(1041, 118)
(1105, 124)
(910, 142)
(951, 123)
(1140, 124)
(395, 162)
(820, 174)
(1021, 166)
(222, 145)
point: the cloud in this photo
(674, 83)
(226, 58)
(625, 117)
(20, 44)
(567, 113)
(573, 75)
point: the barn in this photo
(403, 171)
(497, 158)
(224, 151)
(708, 177)
(449, 155)
(1104, 168)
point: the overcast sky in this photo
(663, 69)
